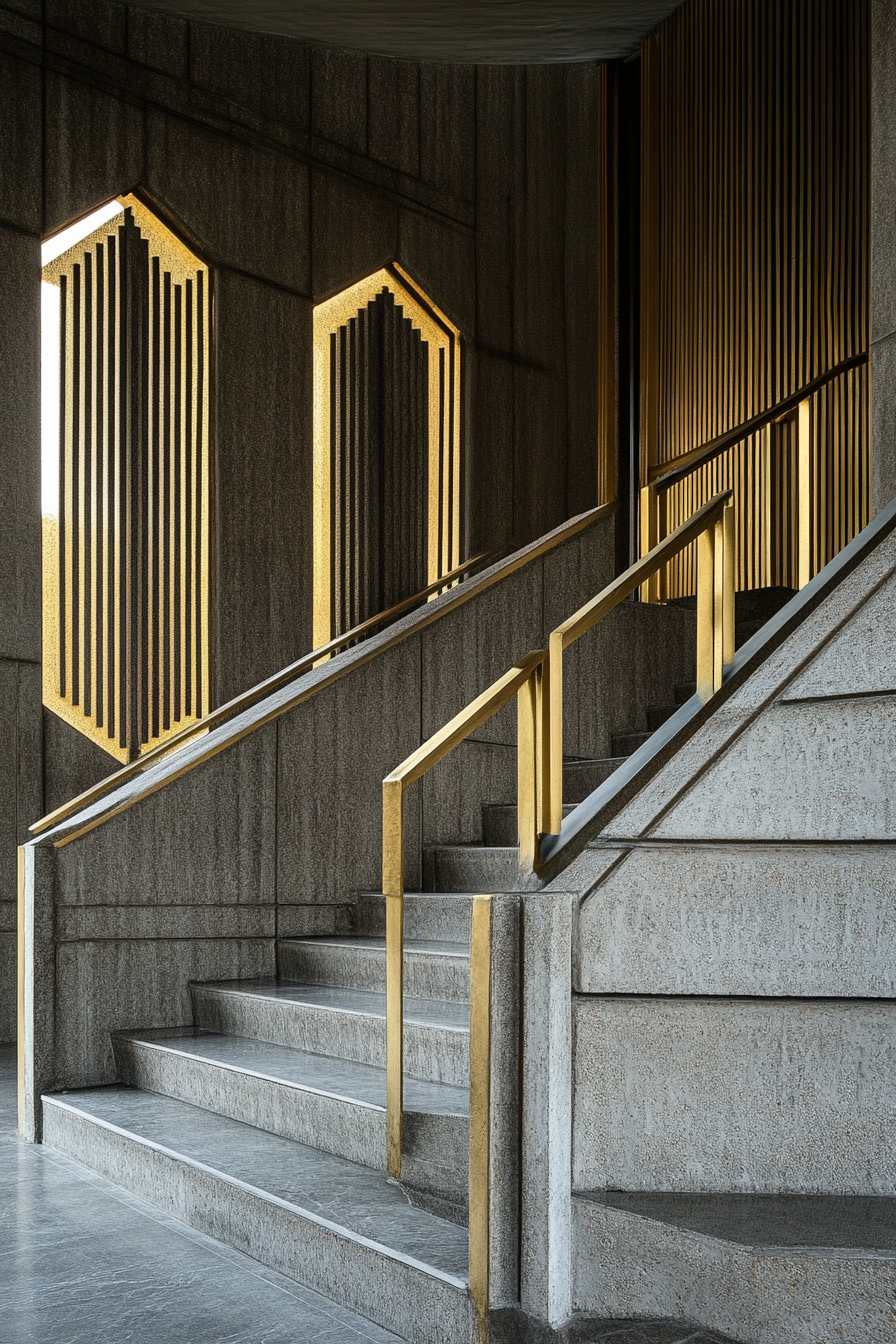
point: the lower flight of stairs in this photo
(263, 1125)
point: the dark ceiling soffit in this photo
(482, 32)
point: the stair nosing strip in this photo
(267, 1195)
(329, 1008)
(169, 1049)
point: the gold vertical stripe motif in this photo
(754, 271)
(126, 564)
(388, 462)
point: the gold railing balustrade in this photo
(537, 683)
(666, 475)
(258, 692)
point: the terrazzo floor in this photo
(84, 1262)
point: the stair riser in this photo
(745, 1293)
(395, 1294)
(441, 917)
(426, 976)
(436, 1054)
(499, 825)
(455, 868)
(749, 1095)
(435, 1145)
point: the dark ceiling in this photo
(489, 31)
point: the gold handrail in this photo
(537, 682)
(256, 693)
(525, 681)
(712, 527)
(666, 474)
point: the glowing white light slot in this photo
(61, 242)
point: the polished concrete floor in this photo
(83, 1262)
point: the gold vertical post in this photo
(20, 987)
(649, 538)
(393, 890)
(480, 1104)
(729, 555)
(804, 502)
(554, 746)
(543, 747)
(706, 551)
(527, 698)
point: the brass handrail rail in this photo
(666, 474)
(251, 697)
(712, 527)
(523, 680)
(537, 682)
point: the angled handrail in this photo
(666, 474)
(537, 683)
(257, 692)
(523, 680)
(712, 527)
(428, 613)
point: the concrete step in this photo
(625, 744)
(582, 777)
(480, 868)
(340, 1022)
(658, 714)
(754, 1095)
(332, 1104)
(334, 1226)
(499, 826)
(771, 1269)
(434, 916)
(432, 970)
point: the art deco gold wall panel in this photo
(126, 552)
(387, 449)
(755, 265)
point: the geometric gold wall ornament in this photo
(126, 480)
(754, 271)
(388, 467)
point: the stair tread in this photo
(364, 1002)
(356, 1200)
(377, 943)
(768, 1222)
(361, 1083)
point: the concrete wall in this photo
(295, 170)
(883, 251)
(734, 1006)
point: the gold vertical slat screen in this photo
(388, 464)
(755, 266)
(126, 561)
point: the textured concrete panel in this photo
(835, 778)
(263, 486)
(95, 150)
(454, 793)
(245, 205)
(8, 980)
(339, 97)
(334, 752)
(99, 22)
(734, 1094)
(114, 985)
(772, 920)
(393, 112)
(72, 762)
(20, 143)
(205, 839)
(159, 41)
(20, 591)
(354, 232)
(442, 259)
(268, 75)
(883, 422)
(78, 923)
(859, 659)
(627, 1265)
(883, 170)
(448, 126)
